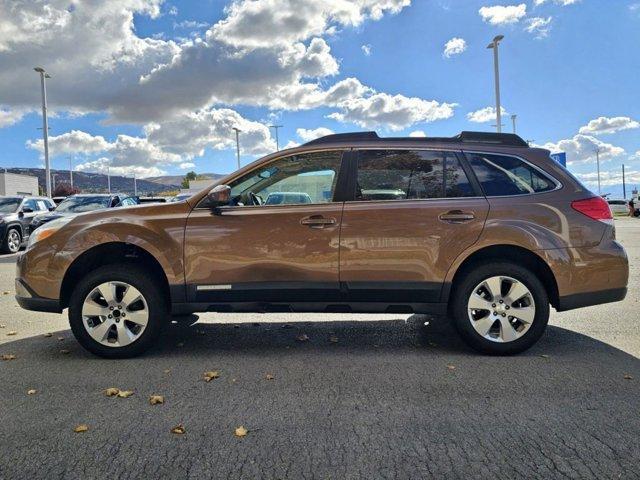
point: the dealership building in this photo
(16, 184)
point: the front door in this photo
(414, 212)
(278, 240)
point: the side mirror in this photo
(219, 196)
(27, 210)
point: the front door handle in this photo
(456, 216)
(317, 221)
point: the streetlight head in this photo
(496, 40)
(39, 69)
(46, 75)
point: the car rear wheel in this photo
(500, 308)
(12, 241)
(117, 311)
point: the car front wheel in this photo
(500, 308)
(12, 241)
(117, 311)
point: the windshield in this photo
(9, 205)
(83, 204)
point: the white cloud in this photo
(503, 15)
(308, 135)
(253, 24)
(391, 111)
(12, 116)
(455, 46)
(484, 115)
(73, 142)
(564, 3)
(417, 134)
(603, 125)
(582, 148)
(104, 165)
(539, 26)
(185, 165)
(366, 49)
(610, 178)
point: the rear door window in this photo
(501, 175)
(410, 175)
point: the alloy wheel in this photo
(501, 309)
(13, 241)
(115, 314)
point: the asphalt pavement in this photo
(325, 396)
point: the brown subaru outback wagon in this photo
(479, 227)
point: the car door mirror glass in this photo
(27, 210)
(219, 196)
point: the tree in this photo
(187, 178)
(64, 190)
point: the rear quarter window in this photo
(503, 175)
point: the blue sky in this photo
(161, 97)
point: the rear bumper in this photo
(579, 300)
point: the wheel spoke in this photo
(516, 292)
(494, 285)
(139, 317)
(125, 337)
(476, 302)
(131, 295)
(92, 309)
(483, 325)
(99, 332)
(108, 291)
(525, 314)
(507, 332)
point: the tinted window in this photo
(410, 175)
(9, 204)
(298, 179)
(30, 203)
(503, 175)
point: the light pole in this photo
(54, 177)
(238, 144)
(513, 120)
(71, 172)
(276, 127)
(45, 128)
(135, 186)
(597, 150)
(108, 178)
(624, 184)
(496, 66)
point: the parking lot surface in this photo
(326, 396)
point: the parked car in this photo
(151, 199)
(180, 197)
(487, 230)
(16, 215)
(287, 198)
(618, 207)
(82, 203)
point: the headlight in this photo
(46, 230)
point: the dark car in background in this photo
(81, 203)
(16, 215)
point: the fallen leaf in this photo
(168, 370)
(240, 431)
(48, 335)
(125, 393)
(156, 399)
(451, 367)
(6, 292)
(628, 377)
(111, 392)
(9, 356)
(333, 339)
(81, 428)
(179, 429)
(12, 332)
(268, 376)
(208, 376)
(302, 337)
(64, 351)
(31, 392)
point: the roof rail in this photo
(505, 139)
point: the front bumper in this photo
(28, 300)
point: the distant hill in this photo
(97, 182)
(171, 180)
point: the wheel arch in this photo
(512, 253)
(108, 254)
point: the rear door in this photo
(414, 212)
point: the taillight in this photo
(594, 207)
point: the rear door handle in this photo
(456, 216)
(318, 221)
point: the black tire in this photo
(6, 247)
(137, 277)
(463, 289)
